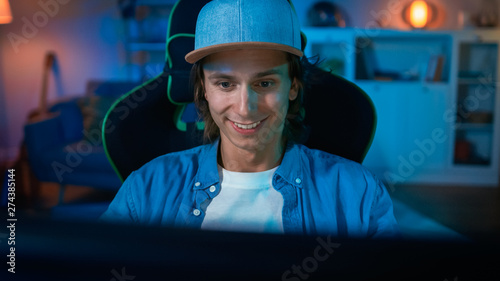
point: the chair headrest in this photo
(180, 41)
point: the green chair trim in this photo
(169, 61)
(105, 122)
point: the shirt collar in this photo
(208, 174)
(290, 168)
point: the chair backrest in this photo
(159, 116)
(340, 116)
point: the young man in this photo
(253, 177)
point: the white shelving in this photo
(418, 104)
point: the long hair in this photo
(294, 129)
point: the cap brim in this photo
(196, 55)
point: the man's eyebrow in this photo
(269, 72)
(219, 75)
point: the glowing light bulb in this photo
(419, 13)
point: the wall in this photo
(87, 37)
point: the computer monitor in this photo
(64, 250)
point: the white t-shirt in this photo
(247, 202)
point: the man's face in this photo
(248, 93)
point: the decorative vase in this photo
(488, 14)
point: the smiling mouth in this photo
(247, 127)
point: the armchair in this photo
(67, 147)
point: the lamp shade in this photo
(5, 14)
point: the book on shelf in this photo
(435, 68)
(365, 62)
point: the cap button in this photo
(298, 180)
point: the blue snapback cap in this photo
(246, 24)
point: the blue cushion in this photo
(71, 121)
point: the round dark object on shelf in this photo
(326, 14)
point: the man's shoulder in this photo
(348, 178)
(329, 161)
(326, 157)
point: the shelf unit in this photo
(421, 84)
(475, 103)
(418, 58)
(145, 38)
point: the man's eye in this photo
(224, 85)
(266, 84)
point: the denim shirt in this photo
(323, 193)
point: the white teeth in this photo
(247, 127)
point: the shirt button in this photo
(196, 212)
(212, 188)
(298, 180)
(197, 184)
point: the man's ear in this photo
(294, 90)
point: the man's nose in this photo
(248, 100)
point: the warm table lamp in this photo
(419, 14)
(5, 14)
